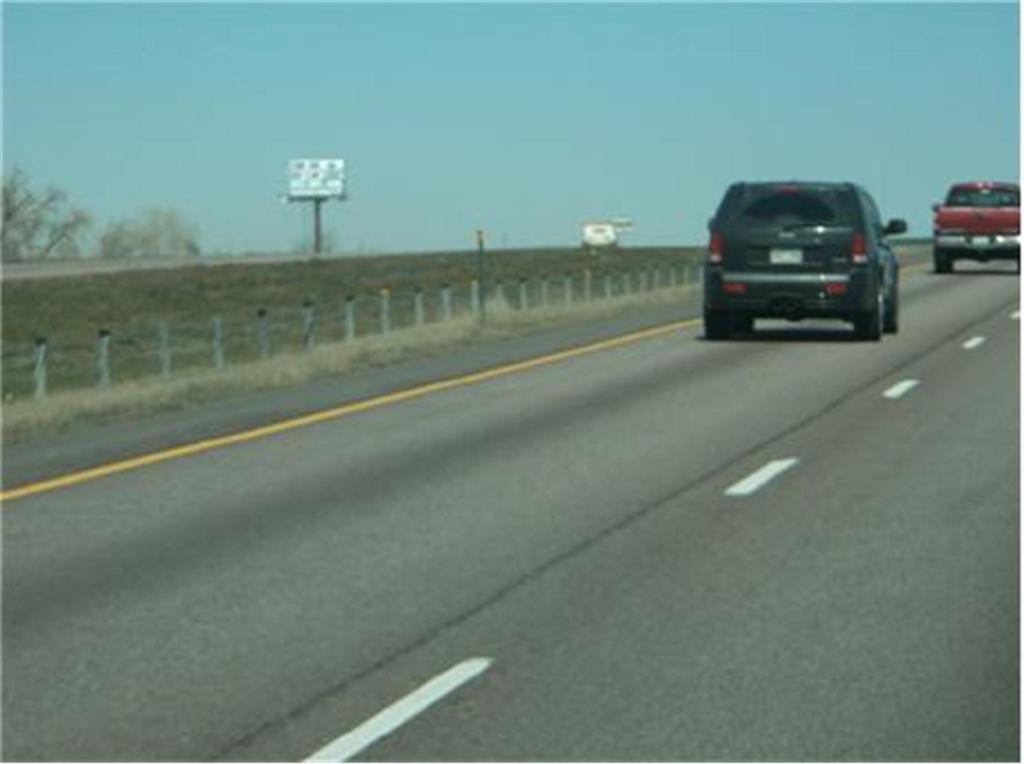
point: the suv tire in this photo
(742, 324)
(891, 324)
(943, 262)
(868, 326)
(717, 325)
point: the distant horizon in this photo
(523, 120)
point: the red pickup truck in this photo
(979, 221)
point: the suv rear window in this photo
(790, 207)
(773, 205)
(983, 197)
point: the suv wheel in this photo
(943, 262)
(717, 325)
(891, 322)
(743, 324)
(868, 326)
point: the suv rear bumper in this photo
(792, 296)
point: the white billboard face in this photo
(316, 178)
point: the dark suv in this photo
(798, 250)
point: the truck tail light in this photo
(859, 249)
(835, 290)
(734, 287)
(715, 248)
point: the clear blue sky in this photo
(522, 119)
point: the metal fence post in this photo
(587, 284)
(656, 277)
(474, 297)
(543, 291)
(385, 310)
(607, 286)
(350, 317)
(39, 371)
(499, 292)
(567, 289)
(263, 332)
(308, 324)
(103, 359)
(627, 283)
(218, 343)
(523, 296)
(481, 292)
(417, 302)
(446, 302)
(644, 282)
(673, 277)
(163, 338)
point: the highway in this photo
(792, 546)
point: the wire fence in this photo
(147, 347)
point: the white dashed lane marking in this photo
(401, 711)
(973, 342)
(756, 480)
(901, 388)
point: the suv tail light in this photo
(715, 248)
(836, 289)
(859, 249)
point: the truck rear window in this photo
(983, 197)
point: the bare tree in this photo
(39, 225)
(156, 231)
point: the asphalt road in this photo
(573, 524)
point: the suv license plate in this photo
(786, 256)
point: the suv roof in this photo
(798, 183)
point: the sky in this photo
(524, 120)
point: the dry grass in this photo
(132, 399)
(69, 311)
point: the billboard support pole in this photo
(316, 226)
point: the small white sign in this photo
(316, 179)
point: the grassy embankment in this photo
(69, 311)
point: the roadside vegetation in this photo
(25, 418)
(43, 224)
(69, 312)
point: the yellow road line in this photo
(202, 446)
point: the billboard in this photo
(316, 179)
